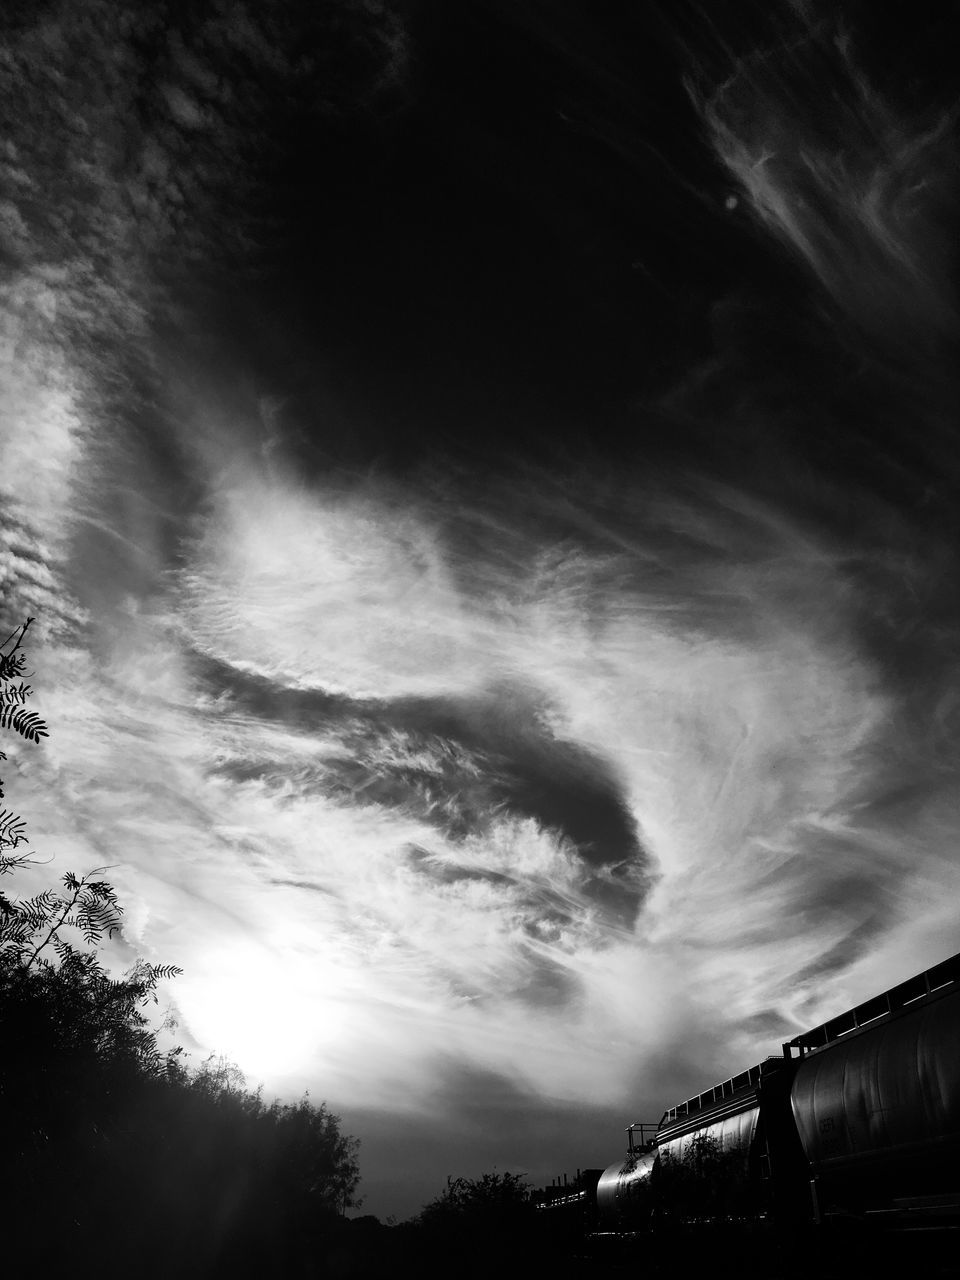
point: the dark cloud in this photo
(446, 873)
(312, 886)
(457, 763)
(768, 1025)
(845, 952)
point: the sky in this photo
(485, 476)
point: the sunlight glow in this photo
(251, 1006)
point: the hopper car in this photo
(854, 1127)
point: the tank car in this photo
(624, 1191)
(857, 1121)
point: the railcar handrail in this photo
(923, 986)
(647, 1132)
(748, 1079)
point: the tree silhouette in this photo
(88, 908)
(492, 1196)
(107, 1141)
(486, 1222)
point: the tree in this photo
(56, 994)
(479, 1201)
(487, 1222)
(104, 1133)
(74, 1037)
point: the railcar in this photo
(857, 1121)
(572, 1203)
(875, 1095)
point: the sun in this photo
(264, 1009)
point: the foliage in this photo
(705, 1181)
(492, 1196)
(12, 661)
(486, 1222)
(33, 924)
(13, 712)
(13, 715)
(104, 1132)
(11, 829)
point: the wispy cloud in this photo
(615, 782)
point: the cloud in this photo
(626, 794)
(562, 781)
(725, 706)
(858, 194)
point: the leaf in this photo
(26, 723)
(11, 664)
(16, 694)
(11, 828)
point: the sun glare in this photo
(253, 1009)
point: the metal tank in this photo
(624, 1191)
(876, 1101)
(624, 1196)
(728, 1131)
(706, 1159)
(713, 1149)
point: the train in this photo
(855, 1125)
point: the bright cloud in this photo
(323, 925)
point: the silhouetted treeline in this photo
(108, 1143)
(486, 1226)
(112, 1152)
